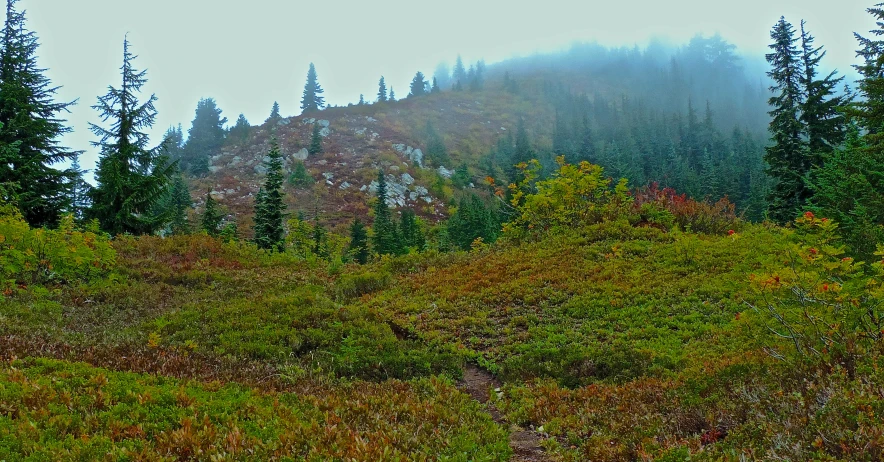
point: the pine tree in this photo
(312, 101)
(130, 177)
(358, 247)
(472, 220)
(274, 113)
(460, 74)
(173, 143)
(212, 217)
(523, 152)
(392, 94)
(418, 85)
(300, 177)
(269, 206)
(205, 137)
(315, 141)
(31, 127)
(79, 190)
(410, 231)
(435, 88)
(382, 90)
(320, 248)
(361, 100)
(178, 202)
(437, 153)
(241, 130)
(386, 237)
(787, 158)
(824, 124)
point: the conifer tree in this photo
(361, 100)
(472, 220)
(269, 205)
(205, 137)
(79, 190)
(418, 85)
(382, 90)
(173, 143)
(274, 113)
(435, 88)
(315, 141)
(437, 153)
(312, 99)
(211, 219)
(178, 202)
(788, 158)
(300, 177)
(131, 177)
(241, 129)
(30, 127)
(523, 151)
(319, 241)
(392, 94)
(460, 74)
(410, 231)
(358, 247)
(386, 237)
(824, 124)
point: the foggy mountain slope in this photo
(655, 84)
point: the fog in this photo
(247, 55)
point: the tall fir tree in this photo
(312, 99)
(79, 190)
(437, 153)
(274, 113)
(459, 75)
(435, 88)
(131, 177)
(824, 125)
(173, 143)
(418, 85)
(386, 236)
(472, 220)
(315, 141)
(382, 90)
(410, 231)
(205, 137)
(523, 152)
(269, 206)
(787, 158)
(176, 204)
(30, 127)
(241, 129)
(358, 248)
(392, 94)
(210, 222)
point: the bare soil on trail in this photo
(480, 384)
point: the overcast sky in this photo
(247, 54)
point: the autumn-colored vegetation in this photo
(624, 325)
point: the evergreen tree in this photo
(205, 137)
(361, 100)
(312, 101)
(358, 247)
(443, 75)
(787, 159)
(460, 74)
(319, 245)
(315, 141)
(229, 233)
(418, 85)
(173, 143)
(437, 153)
(392, 94)
(300, 177)
(523, 151)
(130, 177)
(472, 220)
(79, 190)
(410, 231)
(269, 206)
(31, 127)
(382, 90)
(824, 124)
(212, 217)
(274, 113)
(435, 88)
(386, 237)
(178, 202)
(241, 130)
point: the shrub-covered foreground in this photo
(618, 336)
(52, 410)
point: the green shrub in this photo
(351, 286)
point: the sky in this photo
(248, 54)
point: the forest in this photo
(599, 254)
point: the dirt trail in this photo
(479, 384)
